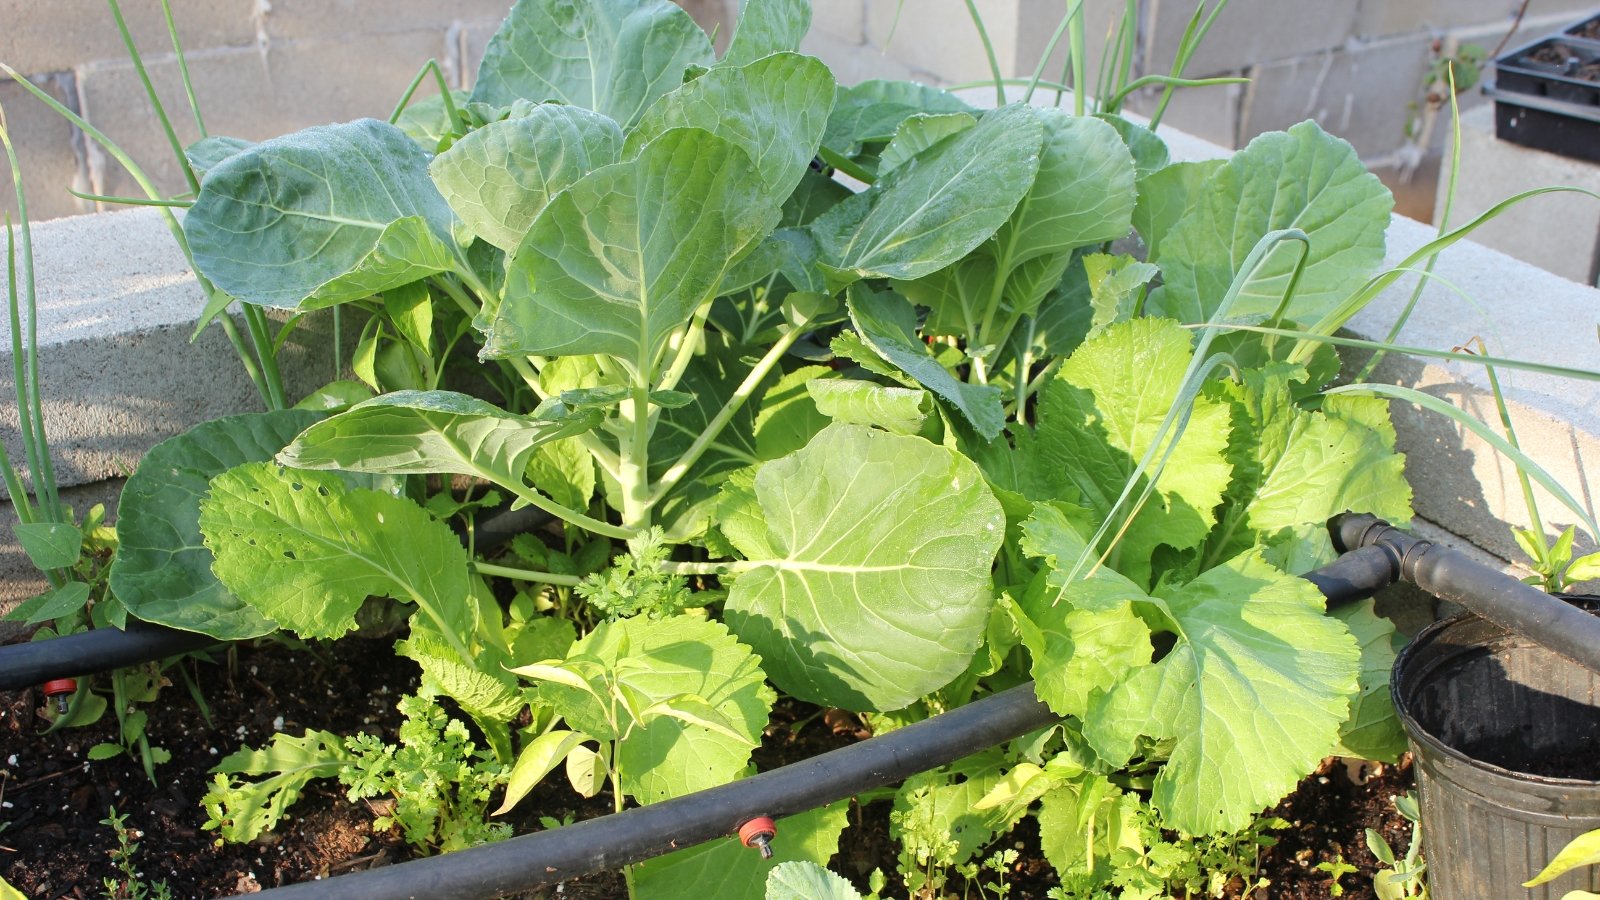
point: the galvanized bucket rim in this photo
(1421, 735)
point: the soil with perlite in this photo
(52, 802)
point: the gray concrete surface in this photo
(1556, 232)
(117, 306)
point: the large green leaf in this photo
(1252, 694)
(499, 178)
(627, 253)
(724, 869)
(808, 881)
(774, 109)
(303, 550)
(767, 27)
(612, 56)
(320, 217)
(1294, 468)
(879, 590)
(937, 207)
(1083, 194)
(918, 133)
(1373, 730)
(1303, 178)
(1166, 194)
(1083, 636)
(789, 417)
(426, 432)
(666, 661)
(888, 325)
(1099, 417)
(894, 409)
(872, 111)
(162, 572)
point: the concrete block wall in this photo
(260, 68)
(1357, 66)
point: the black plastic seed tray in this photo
(1588, 29)
(1547, 94)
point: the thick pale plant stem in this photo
(539, 501)
(747, 387)
(634, 470)
(591, 442)
(514, 574)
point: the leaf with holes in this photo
(162, 572)
(304, 551)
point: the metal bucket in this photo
(1499, 727)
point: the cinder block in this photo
(117, 371)
(1211, 113)
(44, 144)
(1038, 20)
(1556, 232)
(1382, 17)
(62, 34)
(474, 38)
(323, 19)
(250, 94)
(716, 17)
(842, 20)
(855, 63)
(1360, 94)
(940, 38)
(1249, 31)
(1521, 312)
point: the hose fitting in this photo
(759, 833)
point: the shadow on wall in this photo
(1452, 472)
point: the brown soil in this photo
(1590, 30)
(53, 845)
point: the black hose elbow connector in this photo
(1451, 575)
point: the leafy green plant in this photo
(1336, 868)
(890, 449)
(853, 513)
(131, 885)
(241, 810)
(436, 783)
(1404, 876)
(439, 780)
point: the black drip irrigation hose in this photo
(1451, 575)
(104, 649)
(607, 843)
(610, 842)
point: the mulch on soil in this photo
(53, 844)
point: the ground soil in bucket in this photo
(52, 802)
